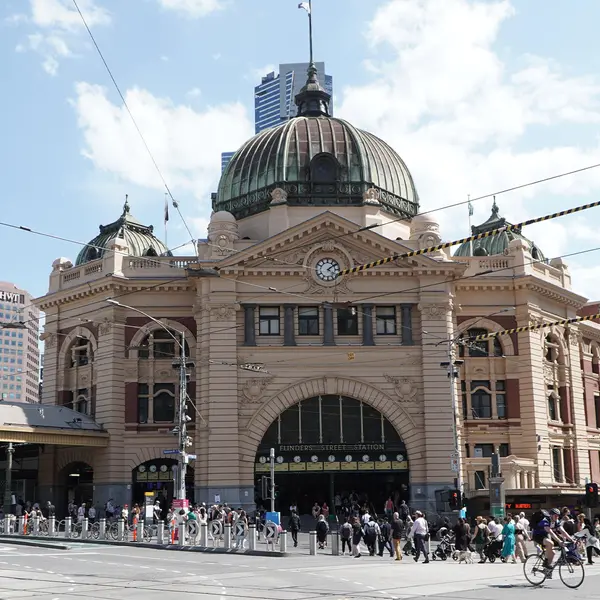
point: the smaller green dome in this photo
(495, 244)
(139, 238)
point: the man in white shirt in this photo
(420, 532)
(495, 529)
(524, 522)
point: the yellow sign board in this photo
(297, 467)
(383, 466)
(348, 466)
(399, 466)
(331, 466)
(314, 466)
(366, 466)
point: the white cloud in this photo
(466, 122)
(194, 93)
(185, 143)
(193, 8)
(57, 27)
(256, 74)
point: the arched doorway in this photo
(154, 479)
(333, 446)
(78, 481)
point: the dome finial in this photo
(312, 100)
(126, 205)
(495, 210)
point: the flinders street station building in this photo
(348, 386)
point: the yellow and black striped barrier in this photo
(472, 238)
(495, 334)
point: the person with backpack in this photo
(385, 537)
(346, 536)
(294, 527)
(322, 531)
(371, 532)
(357, 535)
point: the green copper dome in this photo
(139, 238)
(495, 244)
(316, 160)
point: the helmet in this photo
(555, 511)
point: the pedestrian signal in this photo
(265, 485)
(454, 499)
(591, 495)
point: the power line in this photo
(108, 70)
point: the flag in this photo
(470, 209)
(305, 6)
(166, 209)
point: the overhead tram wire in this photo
(471, 238)
(139, 131)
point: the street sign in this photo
(239, 529)
(171, 451)
(216, 529)
(270, 531)
(192, 456)
(179, 504)
(454, 464)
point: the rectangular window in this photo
(465, 406)
(143, 400)
(347, 321)
(481, 400)
(504, 450)
(556, 464)
(483, 450)
(480, 480)
(163, 403)
(308, 320)
(501, 399)
(268, 320)
(385, 319)
(597, 408)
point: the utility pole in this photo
(10, 450)
(182, 419)
(272, 467)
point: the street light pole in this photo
(10, 450)
(272, 468)
(452, 367)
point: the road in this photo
(124, 573)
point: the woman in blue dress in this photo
(508, 535)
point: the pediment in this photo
(328, 233)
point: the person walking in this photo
(420, 533)
(322, 531)
(508, 535)
(397, 530)
(357, 534)
(346, 536)
(294, 527)
(385, 537)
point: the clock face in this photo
(327, 269)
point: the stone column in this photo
(249, 325)
(112, 477)
(289, 338)
(367, 310)
(406, 324)
(438, 320)
(328, 337)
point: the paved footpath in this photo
(126, 573)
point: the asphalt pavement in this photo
(129, 573)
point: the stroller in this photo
(409, 548)
(493, 550)
(445, 547)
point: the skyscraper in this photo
(274, 97)
(19, 351)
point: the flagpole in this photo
(166, 217)
(470, 214)
(310, 34)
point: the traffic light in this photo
(265, 486)
(591, 495)
(454, 499)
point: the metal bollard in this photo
(312, 543)
(121, 530)
(102, 525)
(139, 534)
(227, 536)
(335, 543)
(36, 525)
(21, 525)
(68, 527)
(252, 537)
(85, 524)
(283, 541)
(181, 536)
(7, 525)
(51, 526)
(204, 534)
(160, 533)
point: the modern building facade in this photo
(225, 158)
(348, 386)
(19, 352)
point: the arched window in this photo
(150, 252)
(160, 345)
(595, 362)
(480, 348)
(92, 253)
(553, 406)
(484, 399)
(80, 352)
(82, 402)
(552, 350)
(163, 403)
(324, 169)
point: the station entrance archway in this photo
(333, 446)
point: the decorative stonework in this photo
(404, 387)
(253, 389)
(222, 312)
(371, 196)
(435, 311)
(278, 196)
(163, 375)
(49, 340)
(105, 327)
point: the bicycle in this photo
(569, 563)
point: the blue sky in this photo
(476, 96)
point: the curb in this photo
(35, 542)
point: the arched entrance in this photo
(155, 479)
(332, 446)
(78, 481)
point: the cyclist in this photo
(547, 533)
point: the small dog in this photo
(464, 556)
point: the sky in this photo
(476, 96)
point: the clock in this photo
(327, 269)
